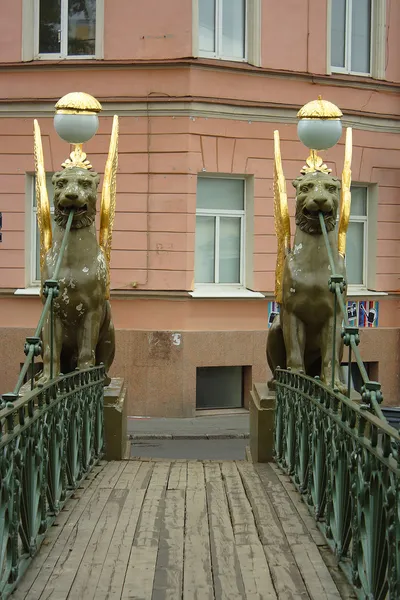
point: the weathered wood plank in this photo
(288, 582)
(178, 476)
(113, 474)
(317, 579)
(114, 567)
(253, 564)
(44, 562)
(128, 475)
(89, 570)
(142, 561)
(57, 587)
(228, 583)
(198, 583)
(300, 507)
(169, 568)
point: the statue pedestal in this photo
(262, 415)
(115, 421)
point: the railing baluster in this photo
(34, 445)
(353, 483)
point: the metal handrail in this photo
(371, 391)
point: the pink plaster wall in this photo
(293, 35)
(154, 231)
(10, 31)
(144, 30)
(392, 41)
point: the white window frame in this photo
(364, 220)
(32, 233)
(252, 32)
(218, 213)
(218, 36)
(377, 65)
(30, 33)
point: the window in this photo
(222, 29)
(351, 33)
(219, 387)
(65, 28)
(357, 238)
(33, 258)
(357, 37)
(219, 248)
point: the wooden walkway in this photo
(183, 530)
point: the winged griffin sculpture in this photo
(303, 334)
(83, 331)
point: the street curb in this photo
(187, 436)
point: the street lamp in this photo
(76, 121)
(319, 128)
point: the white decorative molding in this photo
(378, 45)
(28, 21)
(207, 110)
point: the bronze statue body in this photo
(83, 328)
(301, 337)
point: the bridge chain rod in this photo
(350, 334)
(32, 349)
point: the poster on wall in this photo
(361, 313)
(364, 313)
(273, 310)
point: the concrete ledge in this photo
(189, 436)
(262, 416)
(115, 420)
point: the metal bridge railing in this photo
(50, 438)
(344, 458)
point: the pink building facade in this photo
(200, 86)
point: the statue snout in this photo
(71, 197)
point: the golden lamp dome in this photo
(319, 109)
(76, 103)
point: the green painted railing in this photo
(50, 438)
(344, 458)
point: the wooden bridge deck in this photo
(174, 530)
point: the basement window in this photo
(219, 387)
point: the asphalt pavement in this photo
(190, 448)
(218, 436)
(217, 426)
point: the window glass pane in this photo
(49, 186)
(358, 201)
(229, 250)
(233, 28)
(219, 387)
(49, 26)
(37, 251)
(338, 33)
(355, 253)
(204, 257)
(50, 191)
(361, 36)
(207, 25)
(81, 27)
(220, 194)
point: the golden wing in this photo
(282, 221)
(345, 204)
(42, 199)
(108, 198)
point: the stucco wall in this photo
(160, 157)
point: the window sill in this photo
(226, 58)
(30, 291)
(364, 292)
(224, 292)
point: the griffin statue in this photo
(82, 331)
(302, 334)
